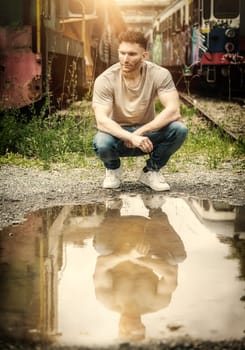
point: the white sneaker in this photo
(112, 178)
(154, 180)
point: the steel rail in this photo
(191, 103)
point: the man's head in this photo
(132, 51)
(133, 38)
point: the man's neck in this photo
(135, 75)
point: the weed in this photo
(48, 138)
(206, 146)
(66, 137)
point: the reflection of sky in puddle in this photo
(99, 258)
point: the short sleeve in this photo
(102, 92)
(165, 82)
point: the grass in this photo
(65, 136)
(41, 139)
(209, 144)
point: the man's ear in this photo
(145, 55)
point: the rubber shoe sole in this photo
(154, 180)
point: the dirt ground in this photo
(27, 189)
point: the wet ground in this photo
(137, 268)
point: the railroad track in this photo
(228, 116)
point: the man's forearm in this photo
(161, 120)
(111, 127)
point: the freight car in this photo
(54, 48)
(203, 43)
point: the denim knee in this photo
(182, 130)
(103, 145)
(179, 130)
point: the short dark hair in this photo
(133, 37)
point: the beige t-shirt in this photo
(132, 106)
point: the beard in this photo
(130, 67)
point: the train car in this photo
(54, 48)
(202, 41)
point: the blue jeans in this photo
(166, 141)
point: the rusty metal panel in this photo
(60, 44)
(20, 78)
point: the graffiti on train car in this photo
(203, 38)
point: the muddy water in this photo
(134, 268)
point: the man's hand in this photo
(141, 142)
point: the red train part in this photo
(219, 58)
(20, 77)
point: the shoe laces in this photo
(111, 174)
(158, 176)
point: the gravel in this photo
(173, 345)
(230, 115)
(27, 189)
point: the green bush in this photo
(48, 138)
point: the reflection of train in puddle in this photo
(220, 217)
(46, 262)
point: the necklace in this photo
(132, 83)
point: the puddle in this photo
(136, 268)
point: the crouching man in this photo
(124, 105)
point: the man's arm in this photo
(166, 272)
(171, 112)
(106, 124)
(104, 265)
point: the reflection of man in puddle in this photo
(136, 272)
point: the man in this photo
(136, 271)
(123, 102)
